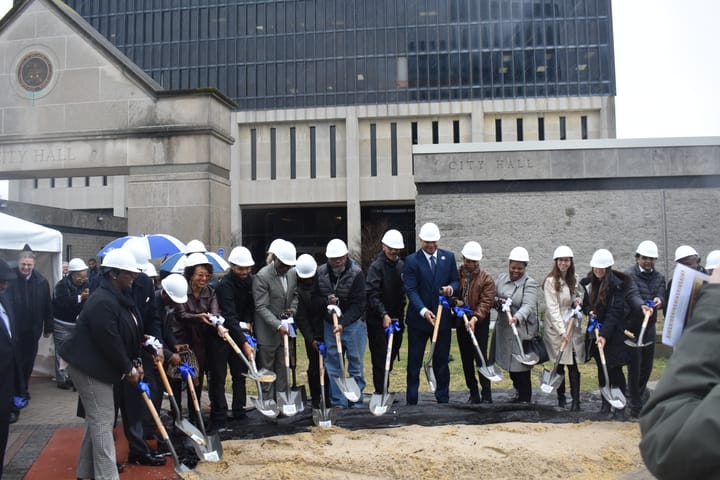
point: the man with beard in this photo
(234, 294)
(386, 302)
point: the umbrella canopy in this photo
(176, 263)
(160, 245)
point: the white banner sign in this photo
(685, 284)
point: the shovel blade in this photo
(430, 375)
(263, 375)
(549, 381)
(379, 404)
(286, 406)
(323, 417)
(526, 358)
(214, 450)
(349, 388)
(267, 408)
(489, 372)
(630, 343)
(614, 397)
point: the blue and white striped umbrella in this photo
(176, 263)
(160, 245)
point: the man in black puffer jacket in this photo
(651, 286)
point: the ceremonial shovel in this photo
(348, 386)
(213, 448)
(612, 394)
(266, 407)
(640, 343)
(487, 371)
(323, 417)
(379, 403)
(550, 380)
(522, 357)
(427, 365)
(289, 401)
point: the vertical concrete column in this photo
(477, 118)
(235, 213)
(352, 180)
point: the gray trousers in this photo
(97, 449)
(61, 332)
(272, 357)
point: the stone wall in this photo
(588, 195)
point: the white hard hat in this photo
(140, 249)
(713, 260)
(684, 251)
(602, 259)
(648, 249)
(196, 258)
(275, 245)
(336, 248)
(176, 287)
(195, 246)
(472, 251)
(241, 257)
(519, 254)
(393, 239)
(286, 253)
(77, 265)
(149, 270)
(429, 232)
(121, 259)
(306, 266)
(563, 251)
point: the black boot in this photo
(561, 400)
(575, 389)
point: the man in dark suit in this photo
(9, 364)
(32, 304)
(428, 273)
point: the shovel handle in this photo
(156, 417)
(388, 354)
(601, 349)
(337, 335)
(322, 370)
(438, 318)
(193, 395)
(646, 318)
(286, 347)
(163, 377)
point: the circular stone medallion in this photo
(34, 72)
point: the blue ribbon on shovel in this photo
(251, 341)
(393, 327)
(321, 347)
(459, 311)
(185, 370)
(443, 300)
(593, 324)
(144, 387)
(20, 402)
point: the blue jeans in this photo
(416, 341)
(354, 340)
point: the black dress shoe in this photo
(575, 406)
(147, 460)
(120, 467)
(13, 417)
(474, 400)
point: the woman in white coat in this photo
(562, 294)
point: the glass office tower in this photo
(283, 54)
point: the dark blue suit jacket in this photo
(423, 287)
(10, 377)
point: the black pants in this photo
(132, 409)
(640, 368)
(377, 340)
(573, 372)
(470, 358)
(220, 356)
(27, 348)
(521, 382)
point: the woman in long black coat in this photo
(609, 296)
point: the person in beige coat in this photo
(563, 294)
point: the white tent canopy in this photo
(47, 244)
